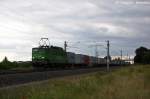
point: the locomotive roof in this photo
(48, 47)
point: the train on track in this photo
(46, 56)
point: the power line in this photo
(96, 48)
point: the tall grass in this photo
(127, 83)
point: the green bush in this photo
(6, 64)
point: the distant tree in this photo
(140, 52)
(146, 58)
(5, 64)
(5, 60)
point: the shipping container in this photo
(86, 59)
(79, 59)
(71, 57)
(101, 61)
(93, 60)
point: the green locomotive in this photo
(48, 56)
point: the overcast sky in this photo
(24, 22)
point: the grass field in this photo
(126, 83)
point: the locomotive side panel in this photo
(49, 57)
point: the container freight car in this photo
(71, 58)
(102, 62)
(82, 60)
(78, 59)
(93, 60)
(86, 59)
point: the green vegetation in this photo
(142, 56)
(6, 64)
(126, 83)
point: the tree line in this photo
(6, 64)
(142, 55)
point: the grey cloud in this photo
(126, 26)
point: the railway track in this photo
(6, 72)
(26, 77)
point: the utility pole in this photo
(65, 46)
(130, 59)
(96, 51)
(121, 57)
(108, 60)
